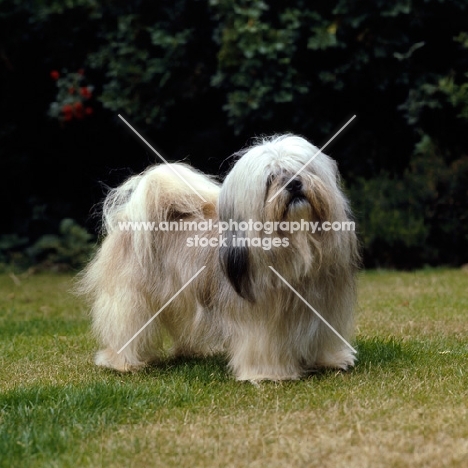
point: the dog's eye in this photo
(270, 180)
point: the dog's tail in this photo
(132, 215)
(162, 193)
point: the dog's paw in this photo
(112, 360)
(257, 379)
(259, 375)
(343, 359)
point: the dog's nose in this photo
(294, 186)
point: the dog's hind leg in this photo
(121, 324)
(121, 307)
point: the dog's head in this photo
(280, 179)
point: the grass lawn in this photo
(404, 405)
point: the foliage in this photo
(71, 247)
(255, 61)
(419, 218)
(9, 245)
(153, 57)
(203, 76)
(73, 95)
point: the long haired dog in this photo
(141, 281)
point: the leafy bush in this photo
(418, 219)
(72, 247)
(221, 71)
(10, 246)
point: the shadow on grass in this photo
(39, 422)
(375, 352)
(42, 326)
(383, 352)
(202, 369)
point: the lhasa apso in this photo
(147, 281)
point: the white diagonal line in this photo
(313, 157)
(160, 157)
(313, 310)
(161, 309)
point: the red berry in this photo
(85, 92)
(55, 75)
(67, 112)
(88, 110)
(78, 110)
(71, 90)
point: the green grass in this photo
(404, 404)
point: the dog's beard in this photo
(301, 200)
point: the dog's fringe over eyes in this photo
(237, 305)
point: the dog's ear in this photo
(234, 260)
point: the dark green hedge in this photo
(200, 77)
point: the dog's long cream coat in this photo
(237, 304)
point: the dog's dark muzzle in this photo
(294, 187)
